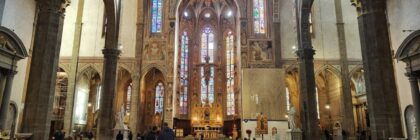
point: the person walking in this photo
(89, 135)
(138, 136)
(120, 136)
(57, 135)
(152, 135)
(130, 135)
(166, 133)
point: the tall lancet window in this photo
(128, 103)
(207, 45)
(259, 14)
(230, 74)
(156, 16)
(160, 91)
(184, 73)
(207, 66)
(317, 102)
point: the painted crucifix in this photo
(207, 73)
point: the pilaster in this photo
(415, 93)
(71, 90)
(346, 96)
(135, 103)
(5, 100)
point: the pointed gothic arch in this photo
(123, 95)
(329, 97)
(149, 82)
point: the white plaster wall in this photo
(92, 42)
(69, 29)
(19, 17)
(351, 27)
(288, 33)
(402, 15)
(128, 28)
(282, 127)
(325, 41)
(325, 28)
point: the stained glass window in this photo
(207, 73)
(159, 98)
(156, 16)
(207, 89)
(317, 101)
(230, 74)
(98, 97)
(259, 15)
(207, 45)
(184, 73)
(311, 26)
(128, 103)
(287, 99)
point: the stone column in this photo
(414, 83)
(106, 115)
(381, 90)
(346, 97)
(308, 104)
(4, 108)
(42, 76)
(135, 103)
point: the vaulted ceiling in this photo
(198, 6)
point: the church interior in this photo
(210, 69)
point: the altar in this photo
(208, 122)
(208, 132)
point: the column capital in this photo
(368, 6)
(306, 53)
(411, 75)
(111, 52)
(11, 73)
(135, 77)
(58, 6)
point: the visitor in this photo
(130, 135)
(344, 134)
(56, 135)
(152, 135)
(358, 133)
(120, 136)
(139, 136)
(363, 135)
(327, 134)
(166, 133)
(89, 135)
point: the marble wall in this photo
(263, 90)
